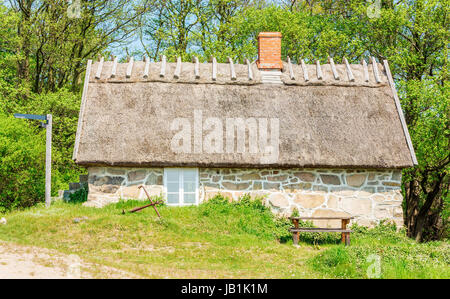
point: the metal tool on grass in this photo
(152, 204)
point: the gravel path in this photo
(17, 261)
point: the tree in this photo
(413, 36)
(54, 45)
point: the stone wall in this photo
(368, 195)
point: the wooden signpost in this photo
(47, 124)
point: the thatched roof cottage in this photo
(327, 139)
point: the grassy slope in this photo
(209, 242)
(190, 242)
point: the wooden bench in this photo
(296, 230)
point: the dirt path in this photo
(17, 261)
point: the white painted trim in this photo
(80, 114)
(181, 191)
(99, 68)
(400, 112)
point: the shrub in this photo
(251, 216)
(22, 163)
(64, 107)
(80, 195)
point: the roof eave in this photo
(400, 112)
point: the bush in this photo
(64, 107)
(80, 195)
(251, 216)
(22, 163)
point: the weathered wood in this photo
(162, 72)
(177, 72)
(320, 230)
(349, 70)
(147, 66)
(114, 68)
(400, 111)
(48, 160)
(320, 218)
(365, 70)
(196, 68)
(375, 70)
(99, 68)
(291, 71)
(130, 67)
(305, 70)
(347, 239)
(250, 71)
(344, 223)
(232, 71)
(333, 68)
(296, 235)
(214, 69)
(345, 233)
(319, 70)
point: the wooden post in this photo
(305, 71)
(214, 68)
(250, 72)
(347, 239)
(296, 235)
(147, 66)
(333, 68)
(196, 68)
(48, 161)
(177, 72)
(319, 70)
(291, 71)
(344, 223)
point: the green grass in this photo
(215, 240)
(399, 256)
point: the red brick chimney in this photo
(269, 51)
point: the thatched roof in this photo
(337, 115)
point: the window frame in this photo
(181, 186)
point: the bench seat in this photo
(345, 233)
(319, 229)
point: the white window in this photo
(181, 186)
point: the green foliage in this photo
(22, 162)
(400, 257)
(251, 215)
(80, 195)
(64, 107)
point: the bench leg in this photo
(344, 223)
(347, 239)
(296, 237)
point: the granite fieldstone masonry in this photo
(368, 195)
